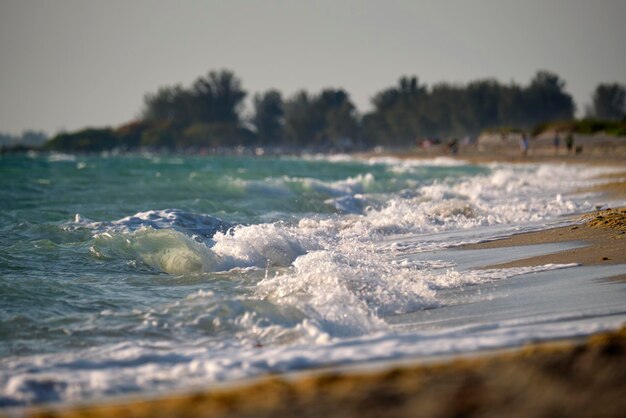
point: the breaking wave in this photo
(339, 280)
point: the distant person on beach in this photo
(556, 141)
(569, 142)
(427, 144)
(523, 144)
(453, 146)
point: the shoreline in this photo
(565, 378)
(570, 378)
(602, 232)
(596, 150)
(604, 243)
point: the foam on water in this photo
(134, 365)
(337, 287)
(178, 242)
(185, 222)
(337, 275)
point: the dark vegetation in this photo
(208, 116)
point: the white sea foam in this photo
(285, 185)
(56, 157)
(333, 271)
(508, 195)
(387, 160)
(188, 223)
(349, 186)
(334, 158)
(335, 289)
(134, 366)
(399, 165)
(269, 186)
(260, 245)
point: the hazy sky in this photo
(66, 64)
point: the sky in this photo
(69, 64)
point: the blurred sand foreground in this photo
(566, 379)
(586, 379)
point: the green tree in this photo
(398, 116)
(482, 100)
(86, 140)
(337, 117)
(160, 134)
(302, 121)
(214, 99)
(609, 101)
(227, 95)
(324, 120)
(130, 134)
(214, 135)
(546, 99)
(268, 119)
(168, 104)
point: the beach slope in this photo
(602, 233)
(559, 379)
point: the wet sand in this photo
(566, 379)
(603, 234)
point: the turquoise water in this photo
(130, 274)
(44, 248)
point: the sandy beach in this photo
(594, 150)
(567, 378)
(603, 232)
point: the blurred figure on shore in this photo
(569, 142)
(556, 142)
(523, 144)
(427, 144)
(453, 146)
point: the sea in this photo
(138, 275)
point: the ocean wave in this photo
(58, 157)
(167, 297)
(286, 185)
(133, 366)
(350, 186)
(186, 222)
(169, 240)
(267, 187)
(174, 252)
(404, 165)
(165, 250)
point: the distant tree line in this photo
(411, 110)
(210, 114)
